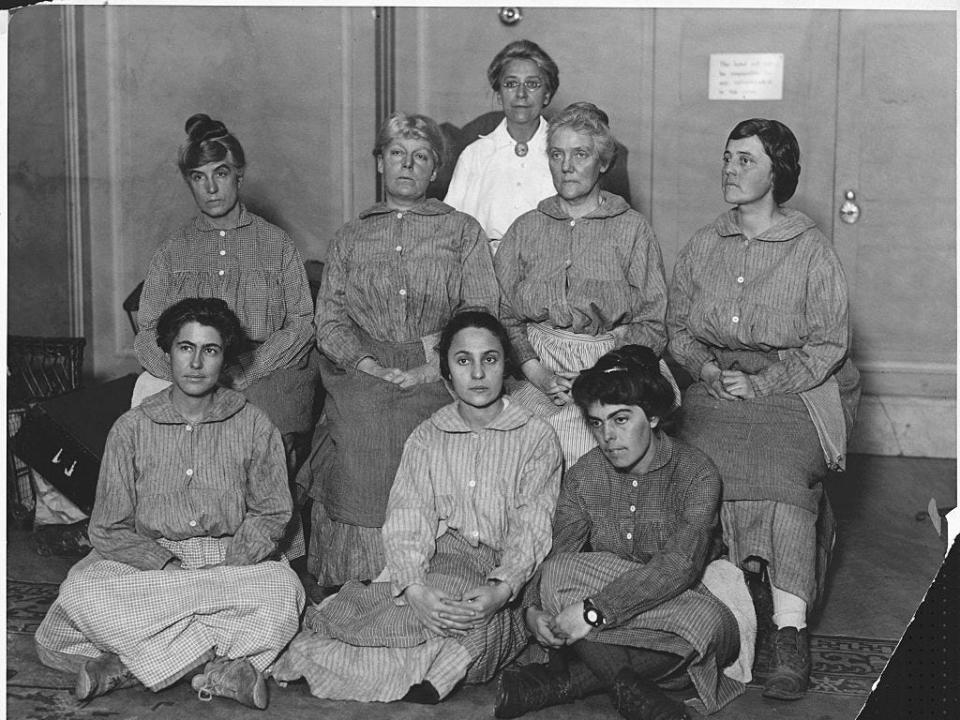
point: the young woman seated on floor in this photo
(633, 611)
(191, 502)
(467, 523)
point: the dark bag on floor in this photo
(63, 438)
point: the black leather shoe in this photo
(639, 699)
(790, 668)
(526, 688)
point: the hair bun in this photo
(641, 356)
(201, 127)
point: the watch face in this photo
(592, 617)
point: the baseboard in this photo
(906, 426)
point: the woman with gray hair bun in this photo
(579, 276)
(503, 174)
(392, 279)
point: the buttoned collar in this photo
(787, 228)
(430, 206)
(202, 222)
(513, 416)
(500, 136)
(160, 409)
(611, 206)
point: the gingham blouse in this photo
(162, 477)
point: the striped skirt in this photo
(694, 625)
(162, 624)
(356, 451)
(562, 351)
(361, 645)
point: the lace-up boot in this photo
(235, 679)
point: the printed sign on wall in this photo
(746, 76)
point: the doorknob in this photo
(850, 211)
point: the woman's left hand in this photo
(737, 383)
(570, 625)
(485, 600)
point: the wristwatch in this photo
(592, 616)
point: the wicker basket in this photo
(38, 368)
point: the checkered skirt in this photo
(161, 623)
(361, 645)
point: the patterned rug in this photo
(840, 665)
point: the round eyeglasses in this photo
(531, 84)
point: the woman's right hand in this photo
(711, 375)
(434, 614)
(538, 623)
(555, 386)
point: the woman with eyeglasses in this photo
(393, 278)
(579, 276)
(500, 176)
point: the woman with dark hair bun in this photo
(645, 606)
(467, 523)
(758, 316)
(503, 174)
(229, 253)
(185, 577)
(580, 275)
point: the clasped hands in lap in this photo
(447, 615)
(726, 384)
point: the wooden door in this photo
(896, 150)
(691, 130)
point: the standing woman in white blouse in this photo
(500, 176)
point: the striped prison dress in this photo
(213, 494)
(775, 307)
(468, 506)
(392, 281)
(651, 536)
(574, 289)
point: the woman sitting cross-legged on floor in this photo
(191, 502)
(634, 611)
(467, 523)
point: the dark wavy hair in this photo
(419, 127)
(211, 312)
(629, 375)
(525, 50)
(473, 318)
(781, 146)
(208, 141)
(588, 119)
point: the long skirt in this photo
(694, 625)
(361, 644)
(772, 464)
(162, 624)
(562, 351)
(356, 451)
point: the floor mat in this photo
(840, 665)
